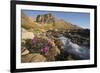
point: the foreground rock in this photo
(36, 57)
(27, 35)
(24, 51)
(44, 46)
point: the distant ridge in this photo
(46, 21)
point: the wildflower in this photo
(45, 50)
(34, 40)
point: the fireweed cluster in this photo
(38, 45)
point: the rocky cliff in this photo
(45, 19)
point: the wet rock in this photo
(59, 44)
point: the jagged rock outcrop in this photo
(45, 19)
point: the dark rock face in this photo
(45, 19)
(81, 37)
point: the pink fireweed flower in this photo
(45, 50)
(34, 40)
(48, 44)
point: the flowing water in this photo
(75, 50)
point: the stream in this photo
(73, 49)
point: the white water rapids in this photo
(74, 49)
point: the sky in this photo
(76, 18)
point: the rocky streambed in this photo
(73, 44)
(74, 50)
(54, 46)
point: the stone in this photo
(53, 52)
(36, 57)
(23, 29)
(25, 52)
(27, 35)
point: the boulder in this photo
(53, 52)
(23, 29)
(27, 35)
(36, 57)
(24, 51)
